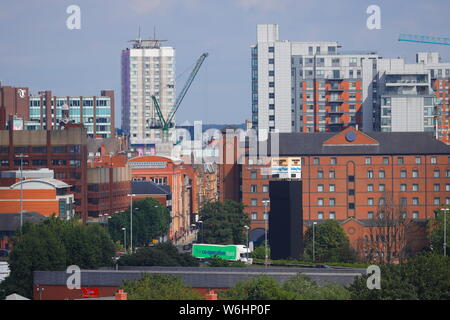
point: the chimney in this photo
(121, 295)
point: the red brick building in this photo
(348, 175)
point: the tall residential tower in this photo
(147, 69)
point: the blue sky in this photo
(38, 51)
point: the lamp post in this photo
(247, 228)
(266, 218)
(21, 156)
(125, 238)
(445, 230)
(314, 241)
(201, 222)
(131, 221)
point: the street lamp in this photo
(266, 218)
(314, 241)
(131, 221)
(201, 222)
(21, 156)
(247, 228)
(445, 230)
(125, 238)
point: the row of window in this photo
(368, 160)
(382, 202)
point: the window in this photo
(333, 161)
(320, 174)
(436, 173)
(316, 161)
(415, 215)
(415, 201)
(370, 174)
(351, 192)
(447, 187)
(415, 173)
(403, 187)
(254, 215)
(320, 215)
(381, 187)
(320, 202)
(370, 215)
(415, 187)
(370, 201)
(271, 61)
(433, 160)
(320, 188)
(266, 216)
(332, 188)
(253, 188)
(331, 174)
(400, 160)
(417, 160)
(385, 160)
(253, 174)
(368, 160)
(437, 201)
(332, 215)
(370, 188)
(351, 205)
(271, 49)
(332, 202)
(265, 188)
(351, 178)
(254, 202)
(382, 201)
(381, 174)
(437, 187)
(402, 173)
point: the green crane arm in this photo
(158, 111)
(185, 88)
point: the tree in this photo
(436, 232)
(388, 231)
(222, 263)
(159, 287)
(223, 222)
(331, 243)
(53, 244)
(257, 288)
(150, 220)
(425, 277)
(298, 287)
(163, 254)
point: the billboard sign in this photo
(90, 292)
(286, 168)
(210, 251)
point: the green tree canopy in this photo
(150, 221)
(331, 243)
(223, 223)
(163, 254)
(436, 232)
(54, 244)
(425, 277)
(159, 287)
(298, 287)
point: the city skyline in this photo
(40, 52)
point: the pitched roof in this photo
(11, 221)
(390, 143)
(149, 187)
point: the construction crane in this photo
(423, 39)
(166, 123)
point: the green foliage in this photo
(159, 287)
(150, 221)
(219, 262)
(223, 223)
(163, 254)
(298, 287)
(54, 244)
(257, 288)
(436, 233)
(260, 252)
(331, 243)
(425, 277)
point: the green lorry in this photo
(226, 252)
